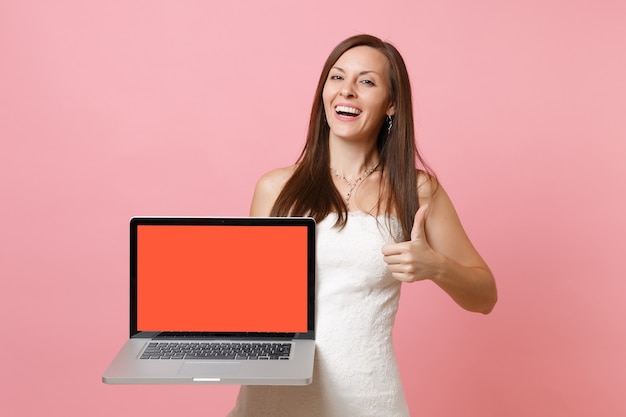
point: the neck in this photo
(352, 160)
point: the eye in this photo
(335, 77)
(368, 82)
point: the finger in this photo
(401, 276)
(393, 259)
(418, 231)
(390, 249)
(395, 249)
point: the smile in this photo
(347, 111)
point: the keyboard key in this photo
(217, 350)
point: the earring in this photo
(389, 124)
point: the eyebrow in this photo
(360, 73)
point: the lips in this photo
(347, 111)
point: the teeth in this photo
(349, 110)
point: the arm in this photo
(440, 250)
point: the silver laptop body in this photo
(225, 300)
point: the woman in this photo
(381, 221)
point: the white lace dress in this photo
(356, 373)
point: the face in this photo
(356, 94)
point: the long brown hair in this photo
(310, 190)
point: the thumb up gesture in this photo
(413, 260)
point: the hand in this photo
(413, 260)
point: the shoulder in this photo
(427, 187)
(430, 191)
(272, 182)
(441, 210)
(267, 189)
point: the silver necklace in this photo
(353, 184)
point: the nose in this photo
(347, 90)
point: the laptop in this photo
(226, 300)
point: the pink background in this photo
(110, 109)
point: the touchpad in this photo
(209, 369)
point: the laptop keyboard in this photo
(217, 350)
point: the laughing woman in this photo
(382, 220)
